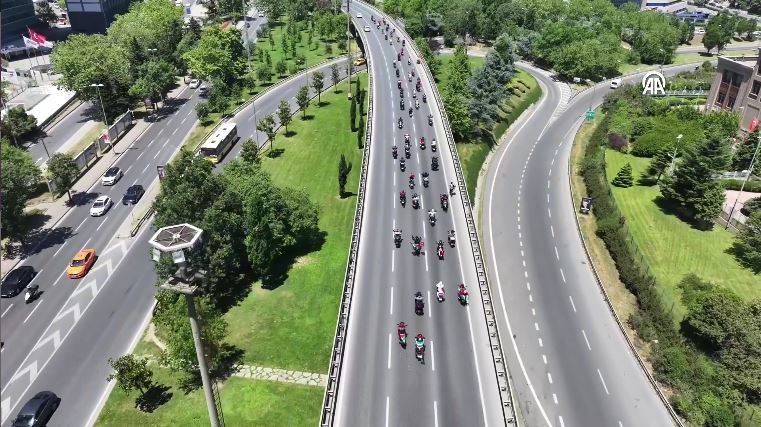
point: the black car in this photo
(16, 281)
(133, 194)
(38, 410)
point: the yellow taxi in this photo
(360, 61)
(81, 263)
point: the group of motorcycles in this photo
(416, 241)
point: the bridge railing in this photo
(339, 340)
(500, 366)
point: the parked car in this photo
(261, 14)
(112, 176)
(360, 61)
(359, 16)
(194, 83)
(615, 83)
(133, 194)
(101, 205)
(16, 281)
(81, 264)
(38, 410)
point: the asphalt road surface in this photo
(60, 133)
(381, 382)
(569, 361)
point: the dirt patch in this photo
(304, 261)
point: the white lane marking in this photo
(560, 420)
(391, 302)
(59, 250)
(160, 132)
(556, 253)
(544, 358)
(528, 286)
(530, 298)
(154, 158)
(555, 398)
(389, 350)
(134, 182)
(533, 312)
(140, 155)
(620, 424)
(392, 262)
(130, 167)
(429, 303)
(525, 274)
(100, 225)
(572, 304)
(541, 344)
(436, 415)
(33, 310)
(549, 377)
(174, 131)
(80, 224)
(6, 310)
(433, 359)
(552, 230)
(586, 340)
(548, 184)
(562, 275)
(548, 198)
(603, 382)
(524, 263)
(549, 214)
(387, 403)
(522, 254)
(521, 242)
(36, 276)
(183, 120)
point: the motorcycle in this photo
(401, 123)
(403, 198)
(422, 143)
(451, 238)
(385, 36)
(31, 293)
(425, 179)
(412, 182)
(430, 120)
(435, 163)
(410, 111)
(409, 62)
(433, 145)
(407, 152)
(398, 238)
(399, 84)
(419, 304)
(414, 95)
(401, 332)
(424, 98)
(401, 104)
(397, 70)
(406, 140)
(393, 152)
(404, 42)
(440, 292)
(451, 188)
(415, 201)
(417, 245)
(444, 202)
(419, 347)
(417, 104)
(432, 217)
(440, 250)
(402, 165)
(462, 294)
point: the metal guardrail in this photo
(500, 366)
(339, 339)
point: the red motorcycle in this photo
(422, 143)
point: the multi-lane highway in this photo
(569, 360)
(381, 382)
(61, 342)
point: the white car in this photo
(359, 16)
(261, 14)
(367, 28)
(615, 83)
(111, 176)
(101, 205)
(194, 83)
(203, 88)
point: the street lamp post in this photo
(745, 181)
(97, 87)
(673, 156)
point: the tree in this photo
(131, 373)
(284, 45)
(434, 64)
(271, 38)
(302, 99)
(456, 107)
(63, 172)
(743, 155)
(281, 67)
(284, 114)
(328, 48)
(219, 55)
(17, 124)
(83, 60)
(249, 152)
(157, 77)
(624, 177)
(344, 168)
(693, 187)
(335, 77)
(318, 84)
(202, 111)
(19, 178)
(747, 244)
(263, 73)
(505, 47)
(489, 83)
(361, 132)
(152, 24)
(719, 31)
(45, 12)
(751, 206)
(352, 114)
(659, 163)
(267, 125)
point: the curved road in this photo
(381, 383)
(569, 361)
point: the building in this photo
(737, 87)
(665, 6)
(94, 16)
(16, 16)
(694, 17)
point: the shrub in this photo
(649, 144)
(624, 177)
(751, 206)
(752, 186)
(617, 141)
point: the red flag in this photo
(753, 125)
(34, 35)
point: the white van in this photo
(615, 83)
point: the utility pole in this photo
(673, 156)
(745, 181)
(348, 44)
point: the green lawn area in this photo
(672, 247)
(245, 402)
(87, 139)
(682, 58)
(473, 152)
(313, 54)
(292, 326)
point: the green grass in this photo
(472, 157)
(475, 62)
(245, 402)
(313, 55)
(672, 247)
(681, 59)
(292, 326)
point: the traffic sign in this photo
(590, 115)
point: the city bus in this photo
(219, 143)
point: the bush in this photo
(752, 186)
(751, 206)
(649, 144)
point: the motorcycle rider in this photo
(402, 164)
(435, 163)
(433, 144)
(425, 179)
(417, 245)
(444, 201)
(407, 152)
(419, 304)
(422, 143)
(393, 151)
(424, 98)
(412, 180)
(451, 238)
(407, 139)
(410, 111)
(430, 119)
(462, 293)
(403, 197)
(451, 188)
(440, 249)
(415, 200)
(419, 345)
(31, 293)
(440, 291)
(401, 331)
(397, 237)
(417, 104)
(432, 216)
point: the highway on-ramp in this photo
(382, 383)
(568, 358)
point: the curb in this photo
(620, 324)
